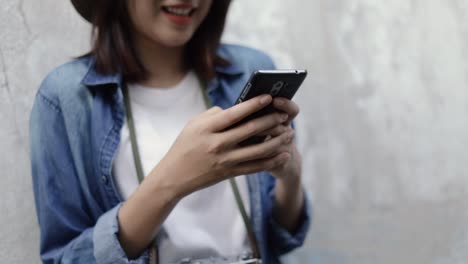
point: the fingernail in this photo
(284, 117)
(265, 99)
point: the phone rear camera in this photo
(276, 88)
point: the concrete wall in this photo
(384, 119)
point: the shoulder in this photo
(65, 80)
(246, 57)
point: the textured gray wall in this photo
(384, 119)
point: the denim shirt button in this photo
(105, 180)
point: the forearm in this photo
(142, 215)
(288, 203)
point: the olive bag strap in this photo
(154, 256)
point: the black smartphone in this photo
(277, 83)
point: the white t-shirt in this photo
(204, 224)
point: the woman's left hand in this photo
(290, 170)
(289, 197)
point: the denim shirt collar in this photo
(95, 79)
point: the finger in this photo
(213, 110)
(238, 112)
(261, 165)
(252, 128)
(259, 151)
(287, 106)
(274, 132)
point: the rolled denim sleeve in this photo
(283, 241)
(107, 248)
(70, 232)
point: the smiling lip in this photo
(179, 19)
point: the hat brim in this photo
(84, 8)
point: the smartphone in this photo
(277, 83)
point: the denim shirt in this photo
(75, 128)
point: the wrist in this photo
(289, 200)
(175, 179)
(288, 188)
(163, 180)
(291, 178)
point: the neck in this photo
(166, 66)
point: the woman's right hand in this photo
(205, 153)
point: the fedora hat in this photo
(84, 8)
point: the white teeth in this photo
(179, 11)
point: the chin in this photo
(173, 40)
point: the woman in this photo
(151, 62)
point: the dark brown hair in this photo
(115, 52)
